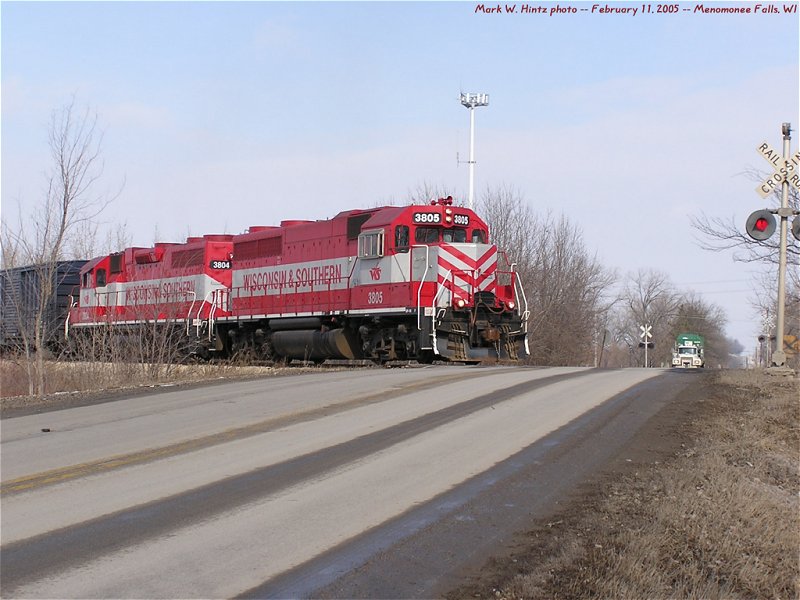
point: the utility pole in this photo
(471, 101)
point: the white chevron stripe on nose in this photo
(465, 268)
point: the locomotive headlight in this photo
(448, 211)
(460, 303)
(448, 219)
(511, 305)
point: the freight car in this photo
(20, 296)
(416, 282)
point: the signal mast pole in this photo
(471, 101)
(761, 225)
(779, 356)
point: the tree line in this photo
(585, 313)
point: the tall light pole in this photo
(471, 101)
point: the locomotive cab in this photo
(181, 287)
(96, 277)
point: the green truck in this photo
(689, 351)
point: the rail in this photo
(349, 282)
(72, 304)
(189, 312)
(197, 321)
(221, 300)
(169, 308)
(523, 313)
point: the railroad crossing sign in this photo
(786, 169)
(646, 332)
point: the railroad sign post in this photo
(646, 334)
(787, 172)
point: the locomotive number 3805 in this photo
(425, 217)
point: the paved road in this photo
(295, 486)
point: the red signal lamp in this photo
(760, 225)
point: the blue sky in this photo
(218, 116)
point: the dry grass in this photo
(719, 521)
(68, 377)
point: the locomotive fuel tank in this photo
(313, 344)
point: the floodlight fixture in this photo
(473, 100)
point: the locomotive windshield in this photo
(426, 235)
(454, 235)
(431, 235)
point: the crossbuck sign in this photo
(785, 169)
(646, 332)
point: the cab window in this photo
(426, 235)
(370, 245)
(454, 235)
(401, 236)
(478, 236)
(100, 277)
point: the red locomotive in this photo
(392, 283)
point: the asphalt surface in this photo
(379, 483)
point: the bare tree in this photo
(69, 202)
(86, 241)
(513, 225)
(565, 285)
(765, 304)
(9, 247)
(719, 233)
(649, 298)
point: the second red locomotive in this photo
(392, 283)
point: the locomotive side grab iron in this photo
(416, 282)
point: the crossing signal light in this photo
(760, 225)
(796, 228)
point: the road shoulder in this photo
(680, 511)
